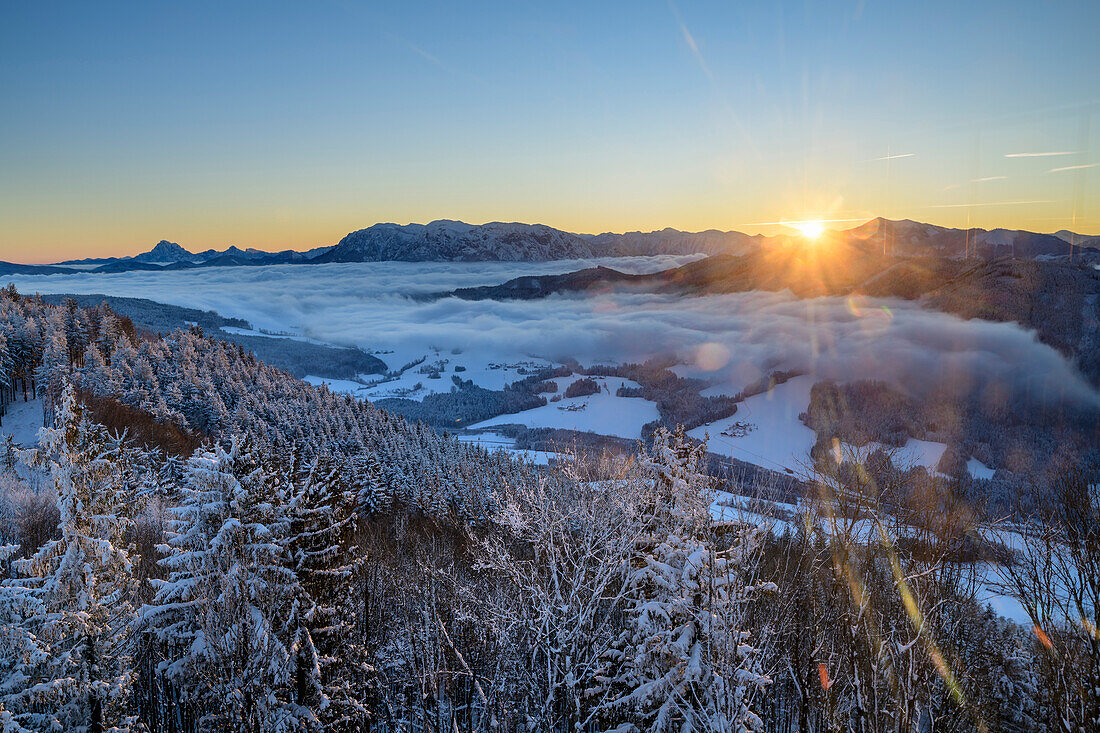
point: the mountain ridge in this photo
(446, 240)
(457, 241)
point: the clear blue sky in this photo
(279, 125)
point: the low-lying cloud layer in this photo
(730, 338)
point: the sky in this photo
(286, 125)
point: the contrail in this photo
(1040, 155)
(791, 222)
(1073, 167)
(435, 61)
(992, 203)
(689, 39)
(895, 157)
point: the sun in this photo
(810, 229)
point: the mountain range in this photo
(455, 241)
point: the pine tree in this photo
(51, 371)
(683, 663)
(223, 612)
(332, 674)
(375, 492)
(93, 376)
(7, 374)
(18, 649)
(76, 593)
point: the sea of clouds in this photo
(730, 339)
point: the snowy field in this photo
(729, 340)
(495, 441)
(778, 440)
(602, 412)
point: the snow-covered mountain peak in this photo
(447, 240)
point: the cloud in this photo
(730, 338)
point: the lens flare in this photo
(810, 229)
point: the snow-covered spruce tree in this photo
(93, 375)
(51, 375)
(683, 662)
(18, 650)
(221, 616)
(375, 490)
(74, 599)
(7, 369)
(332, 675)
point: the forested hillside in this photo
(199, 541)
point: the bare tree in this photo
(1056, 578)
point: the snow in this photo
(781, 442)
(928, 453)
(777, 517)
(1003, 237)
(1001, 604)
(22, 421)
(921, 452)
(734, 507)
(717, 390)
(778, 440)
(252, 332)
(343, 386)
(488, 439)
(486, 370)
(977, 469)
(601, 413)
(495, 441)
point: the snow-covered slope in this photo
(457, 242)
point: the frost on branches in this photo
(684, 662)
(68, 615)
(222, 614)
